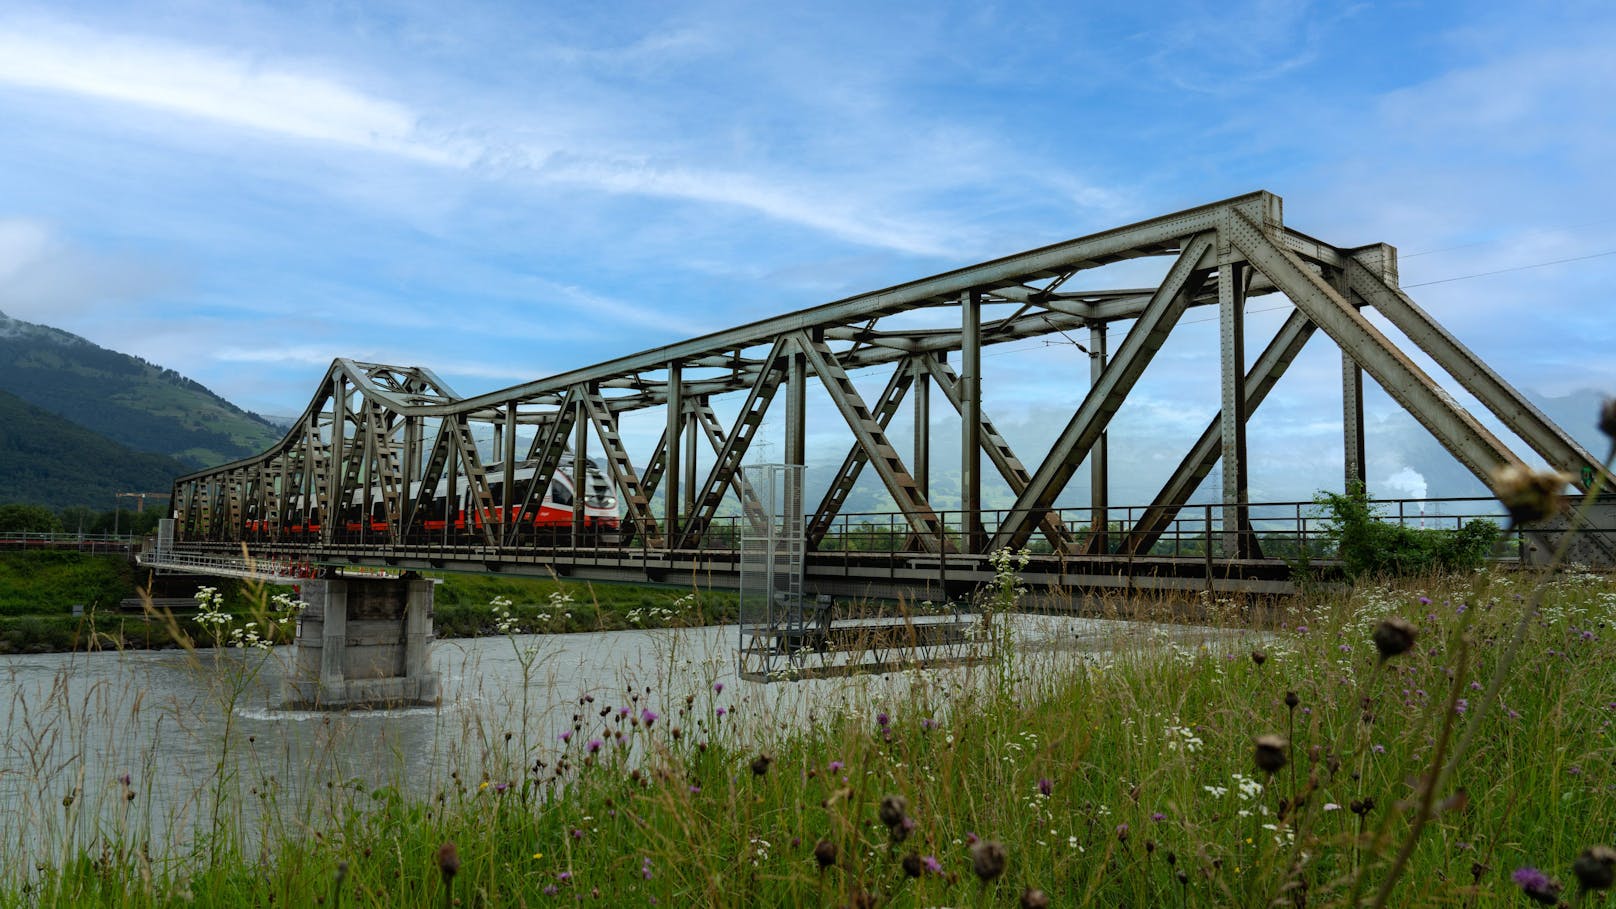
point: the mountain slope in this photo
(46, 460)
(124, 398)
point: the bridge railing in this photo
(81, 542)
(1286, 530)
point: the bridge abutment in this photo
(364, 642)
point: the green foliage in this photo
(48, 460)
(28, 519)
(1370, 547)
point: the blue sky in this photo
(503, 191)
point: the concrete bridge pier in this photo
(363, 642)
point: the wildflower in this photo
(566, 737)
(718, 688)
(1529, 495)
(1158, 816)
(1394, 636)
(882, 720)
(988, 859)
(595, 745)
(1595, 868)
(1537, 886)
(1122, 832)
(1259, 657)
(1269, 753)
(1045, 787)
(645, 867)
(835, 766)
(1292, 699)
(825, 853)
(931, 864)
(1033, 898)
(648, 716)
(448, 861)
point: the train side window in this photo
(560, 494)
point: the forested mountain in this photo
(46, 460)
(124, 398)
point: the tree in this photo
(17, 518)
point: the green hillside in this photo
(124, 398)
(46, 460)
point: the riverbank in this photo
(40, 590)
(1145, 776)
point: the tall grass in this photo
(1123, 777)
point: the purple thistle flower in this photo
(930, 863)
(1045, 786)
(501, 787)
(1425, 601)
(1461, 705)
(720, 712)
(718, 687)
(882, 720)
(566, 736)
(564, 876)
(595, 745)
(549, 889)
(1537, 886)
(1158, 816)
(648, 716)
(123, 778)
(577, 834)
(622, 711)
(645, 868)
(835, 766)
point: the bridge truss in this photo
(383, 440)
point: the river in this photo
(130, 747)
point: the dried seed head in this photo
(448, 861)
(1292, 699)
(1595, 868)
(1394, 636)
(1269, 753)
(893, 810)
(988, 859)
(760, 764)
(1033, 898)
(1607, 417)
(825, 853)
(911, 864)
(1259, 657)
(1529, 495)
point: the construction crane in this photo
(140, 498)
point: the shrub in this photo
(1371, 547)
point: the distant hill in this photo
(46, 460)
(124, 398)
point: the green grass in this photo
(1152, 796)
(461, 605)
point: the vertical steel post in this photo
(692, 430)
(580, 466)
(922, 393)
(670, 450)
(796, 407)
(970, 386)
(1352, 424)
(335, 495)
(507, 504)
(1099, 473)
(1232, 331)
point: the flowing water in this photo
(130, 747)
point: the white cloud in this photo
(46, 279)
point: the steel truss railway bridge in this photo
(382, 441)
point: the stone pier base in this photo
(363, 642)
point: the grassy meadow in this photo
(1288, 766)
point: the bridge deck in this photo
(912, 576)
